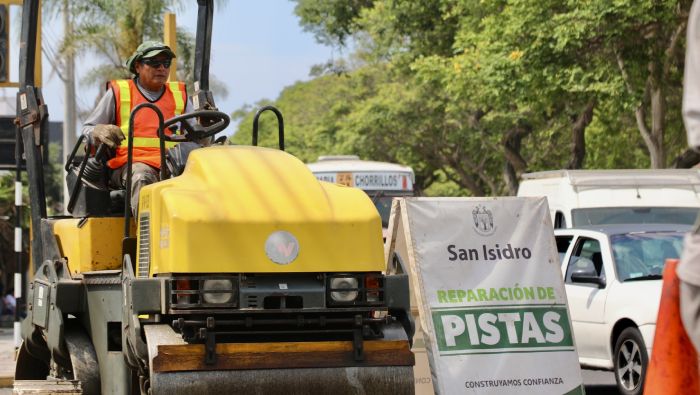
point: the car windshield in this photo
(634, 215)
(641, 256)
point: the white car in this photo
(612, 276)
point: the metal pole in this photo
(18, 234)
(69, 137)
(170, 39)
(205, 16)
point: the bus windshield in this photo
(382, 200)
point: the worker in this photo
(689, 267)
(109, 122)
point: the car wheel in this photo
(630, 362)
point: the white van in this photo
(596, 197)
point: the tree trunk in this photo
(578, 148)
(511, 147)
(515, 164)
(653, 94)
(511, 178)
(658, 115)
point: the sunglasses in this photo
(155, 63)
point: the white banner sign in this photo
(487, 281)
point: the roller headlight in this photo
(217, 291)
(344, 283)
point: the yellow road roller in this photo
(241, 273)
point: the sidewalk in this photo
(7, 357)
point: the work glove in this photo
(110, 135)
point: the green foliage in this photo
(472, 94)
(442, 186)
(331, 21)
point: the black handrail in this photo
(129, 157)
(280, 125)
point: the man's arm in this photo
(100, 125)
(102, 114)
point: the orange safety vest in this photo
(146, 142)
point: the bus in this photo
(382, 181)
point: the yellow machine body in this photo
(90, 244)
(219, 214)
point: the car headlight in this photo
(344, 283)
(217, 291)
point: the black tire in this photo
(83, 358)
(630, 361)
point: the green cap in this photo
(147, 49)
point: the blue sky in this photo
(258, 48)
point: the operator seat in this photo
(97, 198)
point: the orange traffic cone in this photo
(673, 368)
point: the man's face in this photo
(153, 76)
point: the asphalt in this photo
(596, 382)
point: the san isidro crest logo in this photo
(483, 220)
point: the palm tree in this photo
(113, 29)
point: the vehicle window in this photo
(586, 255)
(382, 201)
(563, 243)
(559, 220)
(633, 215)
(383, 205)
(642, 256)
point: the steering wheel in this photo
(194, 132)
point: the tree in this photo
(331, 21)
(504, 87)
